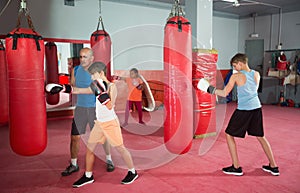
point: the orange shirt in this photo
(134, 94)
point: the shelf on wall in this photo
(283, 50)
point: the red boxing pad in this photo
(204, 66)
(178, 126)
(101, 46)
(27, 108)
(4, 87)
(51, 71)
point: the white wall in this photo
(268, 27)
(225, 39)
(136, 31)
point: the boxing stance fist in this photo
(203, 85)
(53, 88)
(115, 77)
(139, 87)
(99, 88)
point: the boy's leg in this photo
(87, 177)
(268, 151)
(138, 105)
(132, 173)
(90, 157)
(232, 150)
(126, 156)
(128, 105)
(234, 169)
(272, 167)
(106, 146)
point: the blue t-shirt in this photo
(83, 80)
(247, 94)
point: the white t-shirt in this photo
(104, 114)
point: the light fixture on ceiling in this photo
(254, 34)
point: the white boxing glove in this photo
(203, 85)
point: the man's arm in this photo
(77, 90)
(72, 80)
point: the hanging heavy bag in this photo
(178, 125)
(51, 70)
(101, 46)
(4, 87)
(27, 108)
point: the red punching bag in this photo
(101, 46)
(204, 66)
(25, 51)
(4, 87)
(178, 126)
(51, 71)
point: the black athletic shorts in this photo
(242, 121)
(82, 117)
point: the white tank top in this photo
(104, 114)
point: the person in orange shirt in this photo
(135, 87)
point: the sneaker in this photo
(233, 171)
(69, 170)
(142, 122)
(109, 166)
(83, 181)
(274, 171)
(130, 177)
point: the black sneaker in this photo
(233, 171)
(130, 177)
(274, 171)
(83, 181)
(109, 166)
(69, 170)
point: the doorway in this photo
(254, 49)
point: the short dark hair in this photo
(134, 70)
(239, 57)
(97, 67)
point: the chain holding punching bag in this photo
(178, 126)
(51, 70)
(27, 108)
(4, 87)
(101, 46)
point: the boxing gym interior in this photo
(181, 146)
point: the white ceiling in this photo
(262, 7)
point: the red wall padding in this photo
(101, 45)
(27, 108)
(4, 87)
(51, 70)
(178, 100)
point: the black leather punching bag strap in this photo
(101, 32)
(179, 24)
(17, 35)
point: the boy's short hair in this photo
(97, 67)
(239, 57)
(134, 70)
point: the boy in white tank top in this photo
(107, 126)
